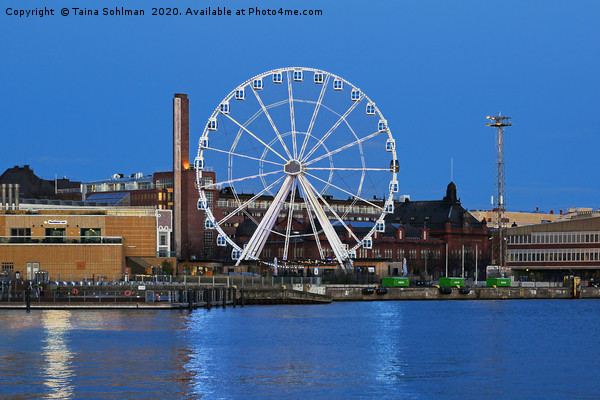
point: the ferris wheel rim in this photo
(260, 112)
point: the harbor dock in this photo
(230, 293)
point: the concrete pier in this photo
(180, 296)
(356, 293)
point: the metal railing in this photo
(61, 239)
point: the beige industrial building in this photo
(551, 250)
(78, 244)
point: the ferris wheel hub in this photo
(293, 167)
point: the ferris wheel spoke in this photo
(254, 136)
(314, 116)
(314, 228)
(335, 214)
(259, 238)
(332, 237)
(334, 127)
(346, 169)
(288, 228)
(345, 191)
(347, 146)
(256, 196)
(292, 117)
(271, 122)
(243, 155)
(217, 184)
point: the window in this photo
(20, 235)
(55, 235)
(8, 267)
(163, 239)
(20, 232)
(208, 241)
(90, 235)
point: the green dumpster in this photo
(451, 282)
(491, 282)
(392, 281)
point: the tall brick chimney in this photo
(181, 161)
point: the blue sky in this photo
(86, 97)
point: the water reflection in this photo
(58, 372)
(389, 341)
(388, 350)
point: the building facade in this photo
(78, 244)
(551, 250)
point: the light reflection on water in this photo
(57, 371)
(387, 350)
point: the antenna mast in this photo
(500, 121)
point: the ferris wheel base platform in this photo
(282, 296)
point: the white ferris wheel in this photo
(304, 147)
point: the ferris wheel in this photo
(303, 155)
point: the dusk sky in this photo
(87, 97)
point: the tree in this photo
(167, 267)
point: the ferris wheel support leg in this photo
(335, 214)
(332, 237)
(259, 238)
(349, 265)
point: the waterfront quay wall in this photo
(357, 293)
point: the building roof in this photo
(433, 214)
(112, 199)
(30, 185)
(119, 178)
(567, 225)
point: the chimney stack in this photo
(181, 161)
(10, 196)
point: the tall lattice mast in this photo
(500, 121)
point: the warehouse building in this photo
(71, 243)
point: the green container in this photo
(491, 282)
(451, 282)
(394, 282)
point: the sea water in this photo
(526, 349)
